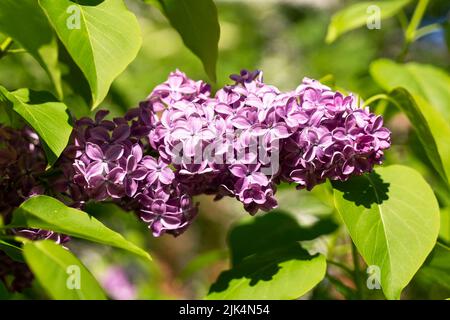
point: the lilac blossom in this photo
(181, 142)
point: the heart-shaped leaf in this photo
(392, 216)
(102, 37)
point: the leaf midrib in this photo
(379, 205)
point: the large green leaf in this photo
(436, 272)
(197, 23)
(266, 259)
(107, 40)
(273, 230)
(283, 273)
(426, 81)
(60, 273)
(47, 213)
(356, 15)
(392, 216)
(25, 22)
(433, 130)
(48, 117)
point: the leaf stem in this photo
(374, 98)
(415, 20)
(410, 32)
(422, 32)
(357, 273)
(341, 266)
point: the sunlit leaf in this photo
(392, 216)
(60, 273)
(102, 37)
(48, 117)
(359, 14)
(43, 212)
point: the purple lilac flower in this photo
(22, 169)
(181, 142)
(117, 284)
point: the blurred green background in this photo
(285, 39)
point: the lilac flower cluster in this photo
(22, 170)
(244, 141)
(112, 160)
(181, 142)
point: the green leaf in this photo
(283, 273)
(60, 273)
(392, 216)
(430, 83)
(273, 230)
(43, 212)
(102, 37)
(430, 90)
(445, 225)
(433, 131)
(197, 23)
(25, 22)
(155, 3)
(48, 117)
(437, 271)
(13, 251)
(265, 268)
(358, 14)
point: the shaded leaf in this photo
(13, 251)
(284, 273)
(436, 272)
(25, 22)
(267, 258)
(433, 131)
(273, 230)
(197, 23)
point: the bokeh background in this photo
(285, 39)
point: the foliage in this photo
(61, 59)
